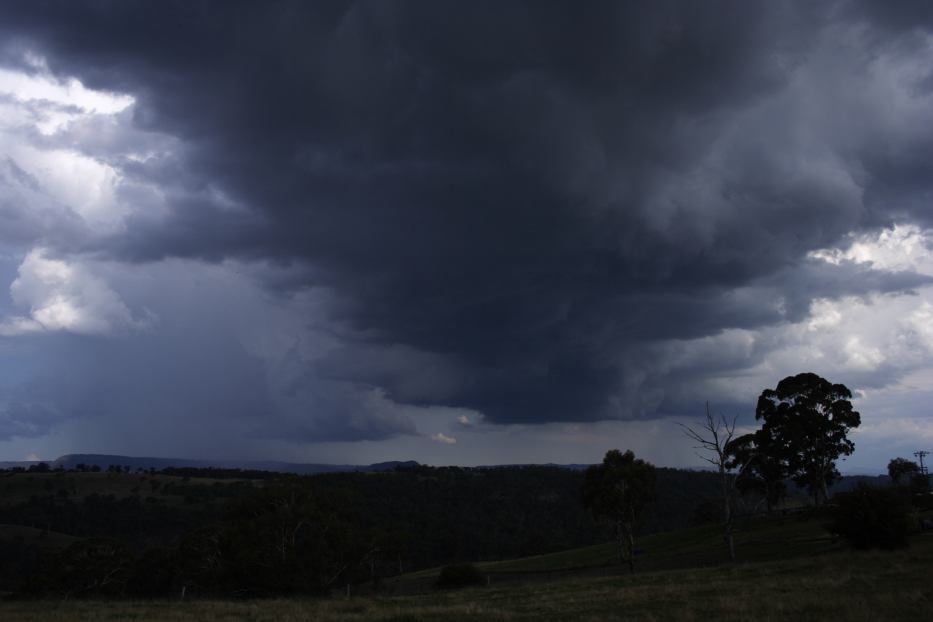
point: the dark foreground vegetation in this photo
(808, 577)
(378, 537)
(149, 535)
(86, 534)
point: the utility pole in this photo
(920, 455)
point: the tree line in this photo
(173, 536)
(211, 537)
(805, 426)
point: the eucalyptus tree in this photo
(617, 491)
(806, 421)
(762, 472)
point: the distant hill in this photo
(70, 461)
(9, 464)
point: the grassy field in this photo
(771, 539)
(50, 539)
(840, 586)
(682, 576)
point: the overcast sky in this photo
(460, 233)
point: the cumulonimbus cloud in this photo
(64, 297)
(551, 226)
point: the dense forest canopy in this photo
(403, 520)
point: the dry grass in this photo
(839, 586)
(764, 539)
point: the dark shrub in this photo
(89, 568)
(460, 575)
(153, 574)
(923, 501)
(920, 483)
(871, 518)
(706, 512)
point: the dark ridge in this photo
(70, 461)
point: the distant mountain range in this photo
(103, 461)
(70, 461)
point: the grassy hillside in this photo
(842, 585)
(220, 538)
(789, 569)
(21, 548)
(762, 539)
(49, 539)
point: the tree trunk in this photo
(620, 537)
(626, 541)
(726, 510)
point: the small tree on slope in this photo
(617, 491)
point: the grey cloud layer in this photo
(511, 200)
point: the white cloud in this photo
(440, 437)
(866, 342)
(63, 146)
(10, 327)
(64, 296)
(903, 247)
(823, 315)
(861, 356)
(71, 97)
(86, 186)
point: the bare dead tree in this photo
(713, 438)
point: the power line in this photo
(920, 455)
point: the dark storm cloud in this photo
(150, 389)
(512, 195)
(187, 384)
(27, 420)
